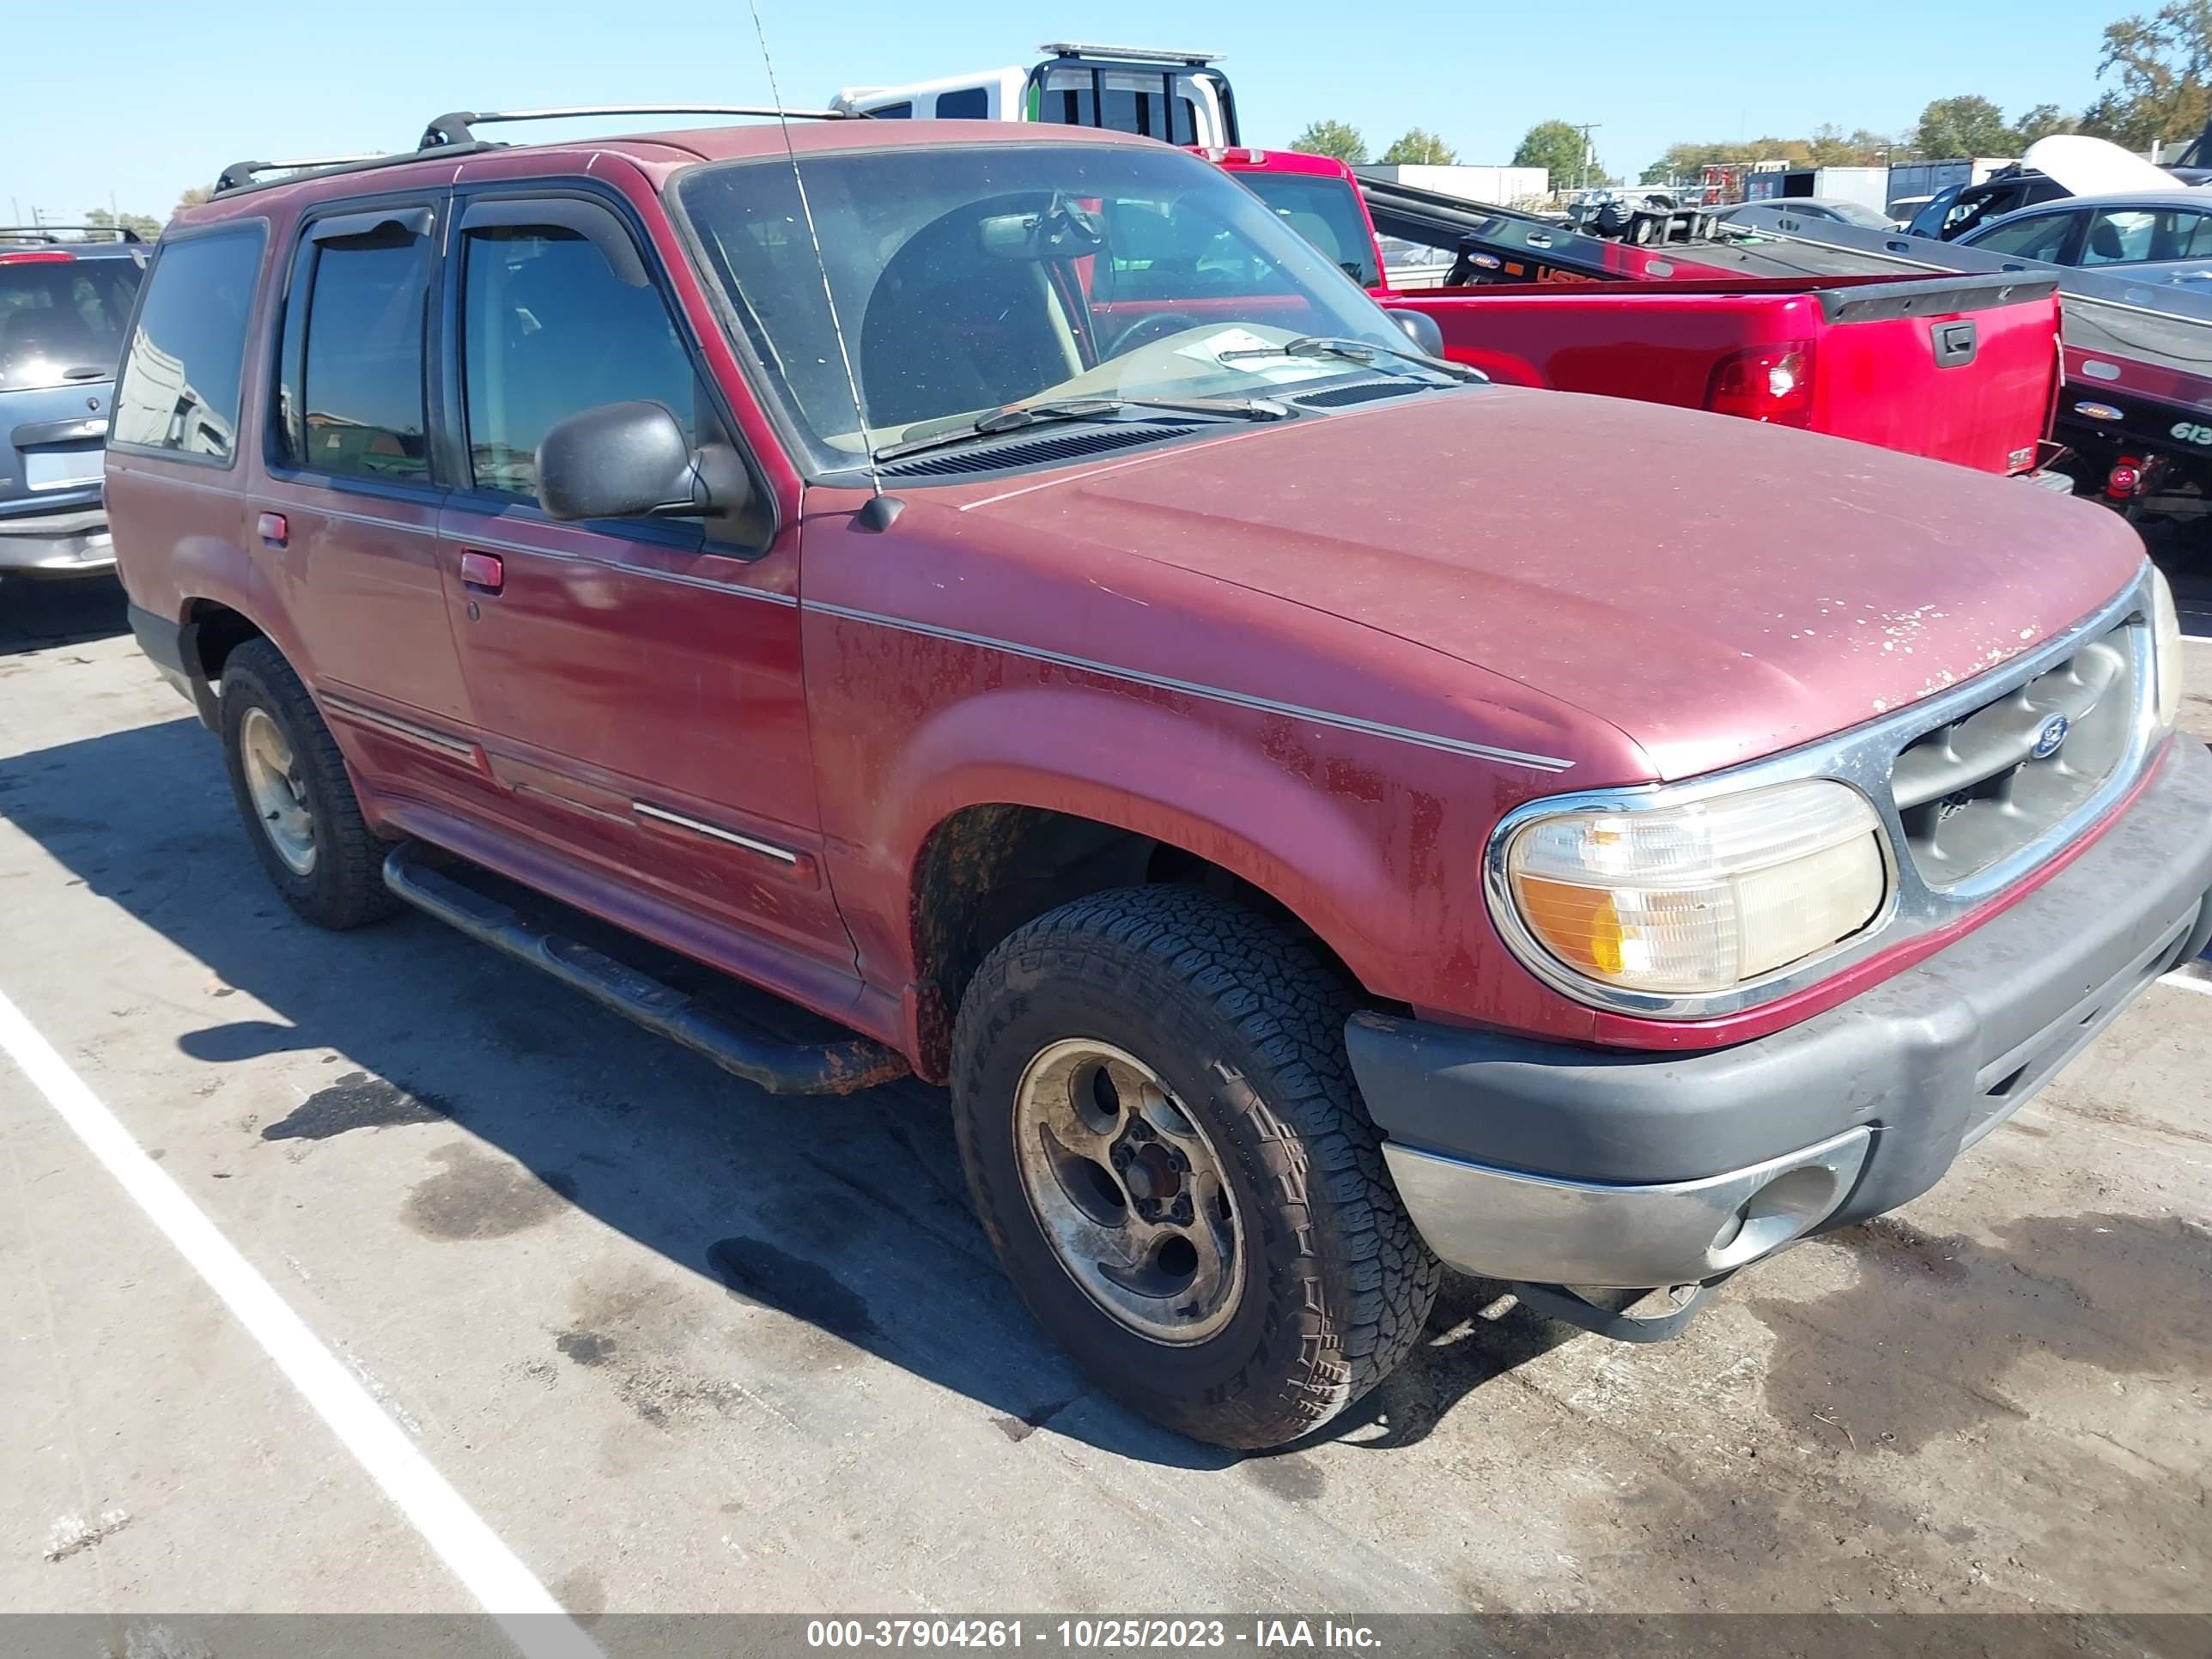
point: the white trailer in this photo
(1502, 186)
(1868, 186)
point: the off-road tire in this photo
(345, 888)
(1247, 1027)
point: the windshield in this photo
(61, 317)
(1326, 212)
(971, 277)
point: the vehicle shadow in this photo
(36, 614)
(849, 1214)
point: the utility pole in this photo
(1583, 167)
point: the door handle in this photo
(1955, 344)
(273, 529)
(484, 572)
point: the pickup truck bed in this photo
(1960, 368)
(2135, 406)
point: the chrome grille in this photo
(1974, 790)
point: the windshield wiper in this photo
(1359, 351)
(1015, 416)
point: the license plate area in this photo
(61, 466)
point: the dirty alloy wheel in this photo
(293, 793)
(1164, 1143)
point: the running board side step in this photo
(781, 1068)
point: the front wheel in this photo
(1164, 1143)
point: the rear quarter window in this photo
(180, 382)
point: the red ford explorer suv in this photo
(1003, 590)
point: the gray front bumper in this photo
(1560, 1165)
(74, 543)
(1503, 1225)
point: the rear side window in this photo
(2134, 236)
(61, 317)
(180, 382)
(969, 104)
(1326, 212)
(548, 328)
(2040, 236)
(361, 385)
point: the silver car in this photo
(64, 305)
(2169, 228)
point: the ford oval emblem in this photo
(2048, 739)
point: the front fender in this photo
(1157, 771)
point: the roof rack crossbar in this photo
(455, 127)
(1129, 54)
(45, 233)
(239, 174)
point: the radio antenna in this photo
(881, 509)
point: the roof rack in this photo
(45, 233)
(1130, 54)
(240, 174)
(457, 126)
(454, 133)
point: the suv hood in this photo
(1716, 589)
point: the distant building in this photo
(1502, 185)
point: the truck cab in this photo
(1179, 97)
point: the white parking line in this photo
(2190, 976)
(475, 1554)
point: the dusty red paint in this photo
(1635, 592)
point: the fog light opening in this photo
(1778, 1212)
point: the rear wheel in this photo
(292, 790)
(1163, 1141)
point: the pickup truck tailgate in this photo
(1960, 369)
(1963, 370)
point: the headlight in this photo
(2166, 647)
(1701, 896)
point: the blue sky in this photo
(145, 99)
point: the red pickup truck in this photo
(1083, 653)
(1961, 368)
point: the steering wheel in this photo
(1145, 330)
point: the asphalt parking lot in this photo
(684, 1347)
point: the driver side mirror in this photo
(633, 461)
(1421, 329)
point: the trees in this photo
(2042, 121)
(1560, 148)
(1965, 125)
(1336, 138)
(1831, 146)
(2163, 64)
(1687, 160)
(101, 219)
(1419, 147)
(194, 196)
